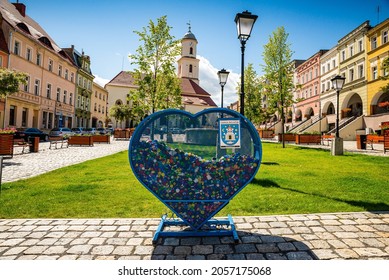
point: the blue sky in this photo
(104, 29)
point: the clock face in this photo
(191, 43)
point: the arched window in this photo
(191, 50)
(190, 68)
(118, 102)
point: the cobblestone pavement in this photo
(293, 237)
(27, 165)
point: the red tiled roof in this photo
(124, 78)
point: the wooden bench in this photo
(21, 143)
(374, 139)
(56, 140)
(327, 139)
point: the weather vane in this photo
(188, 23)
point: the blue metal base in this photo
(210, 228)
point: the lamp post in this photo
(337, 144)
(223, 76)
(244, 24)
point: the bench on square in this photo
(58, 140)
(20, 142)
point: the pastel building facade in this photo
(99, 109)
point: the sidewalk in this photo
(288, 237)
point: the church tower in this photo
(188, 64)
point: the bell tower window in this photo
(191, 50)
(190, 68)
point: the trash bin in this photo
(34, 144)
(361, 142)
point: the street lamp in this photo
(223, 76)
(244, 24)
(337, 144)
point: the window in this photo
(65, 93)
(58, 94)
(360, 71)
(78, 101)
(95, 107)
(50, 65)
(71, 98)
(17, 48)
(38, 59)
(385, 37)
(72, 77)
(328, 67)
(374, 72)
(191, 50)
(100, 95)
(66, 74)
(28, 54)
(103, 97)
(351, 75)
(37, 86)
(316, 90)
(360, 45)
(316, 72)
(323, 87)
(59, 70)
(95, 94)
(373, 43)
(323, 69)
(190, 68)
(333, 63)
(102, 109)
(99, 108)
(24, 117)
(12, 115)
(343, 55)
(44, 120)
(79, 81)
(351, 51)
(27, 85)
(48, 91)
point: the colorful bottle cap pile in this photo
(173, 174)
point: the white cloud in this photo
(210, 82)
(100, 81)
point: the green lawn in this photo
(290, 180)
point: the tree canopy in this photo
(156, 78)
(10, 81)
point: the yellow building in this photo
(377, 47)
(99, 101)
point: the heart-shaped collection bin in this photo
(177, 157)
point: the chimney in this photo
(21, 8)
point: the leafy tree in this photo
(121, 112)
(10, 81)
(158, 84)
(385, 67)
(278, 71)
(252, 99)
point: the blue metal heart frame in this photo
(209, 206)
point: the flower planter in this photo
(386, 140)
(121, 134)
(101, 138)
(265, 133)
(289, 137)
(308, 139)
(6, 145)
(81, 140)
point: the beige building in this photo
(47, 100)
(99, 108)
(194, 97)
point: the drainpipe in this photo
(9, 67)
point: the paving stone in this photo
(244, 226)
(135, 241)
(202, 249)
(27, 257)
(267, 248)
(224, 249)
(143, 250)
(302, 246)
(275, 256)
(251, 239)
(337, 244)
(14, 251)
(235, 257)
(301, 229)
(35, 250)
(55, 250)
(372, 242)
(210, 240)
(123, 250)
(312, 223)
(261, 225)
(163, 250)
(349, 228)
(182, 250)
(245, 248)
(353, 242)
(117, 241)
(298, 256)
(347, 253)
(271, 239)
(347, 222)
(280, 231)
(12, 242)
(79, 249)
(286, 246)
(370, 252)
(216, 257)
(47, 241)
(190, 241)
(324, 254)
(102, 250)
(80, 241)
(320, 244)
(344, 234)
